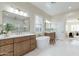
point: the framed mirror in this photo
(50, 26)
(18, 23)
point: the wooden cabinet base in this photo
(17, 46)
(24, 45)
(6, 47)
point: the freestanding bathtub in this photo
(43, 42)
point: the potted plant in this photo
(8, 27)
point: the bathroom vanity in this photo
(52, 36)
(17, 45)
(19, 41)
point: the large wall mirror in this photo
(18, 23)
(50, 26)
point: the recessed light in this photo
(69, 7)
(50, 4)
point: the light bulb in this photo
(21, 13)
(16, 11)
(69, 7)
(11, 10)
(25, 14)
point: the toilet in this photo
(43, 42)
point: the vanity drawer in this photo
(33, 41)
(32, 36)
(6, 42)
(21, 39)
(6, 50)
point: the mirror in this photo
(50, 27)
(16, 23)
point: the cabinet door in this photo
(53, 38)
(18, 46)
(33, 42)
(25, 46)
(17, 49)
(21, 45)
(6, 47)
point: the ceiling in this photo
(57, 8)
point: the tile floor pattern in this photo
(61, 48)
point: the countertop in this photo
(4, 36)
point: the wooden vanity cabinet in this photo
(17, 46)
(6, 47)
(33, 42)
(21, 45)
(52, 37)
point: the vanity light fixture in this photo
(21, 13)
(17, 11)
(25, 14)
(10, 10)
(48, 21)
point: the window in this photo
(39, 24)
(72, 25)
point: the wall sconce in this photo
(47, 21)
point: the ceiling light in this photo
(69, 7)
(50, 4)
